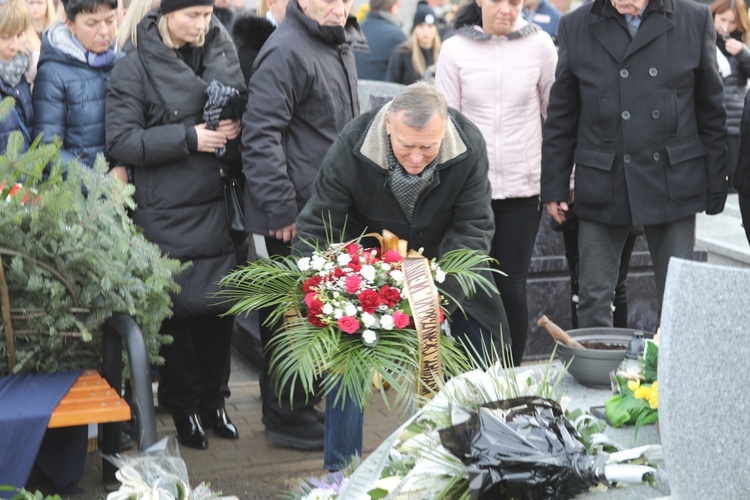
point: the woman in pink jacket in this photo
(497, 70)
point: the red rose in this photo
(391, 256)
(369, 300)
(391, 296)
(352, 284)
(348, 324)
(311, 284)
(355, 265)
(441, 315)
(400, 320)
(338, 272)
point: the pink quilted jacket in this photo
(502, 84)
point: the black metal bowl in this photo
(591, 367)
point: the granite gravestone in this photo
(704, 414)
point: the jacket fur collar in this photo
(521, 29)
(251, 32)
(373, 146)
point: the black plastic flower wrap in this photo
(523, 448)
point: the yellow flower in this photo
(653, 399)
(633, 385)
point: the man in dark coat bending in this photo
(419, 170)
(637, 105)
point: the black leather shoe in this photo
(298, 437)
(218, 420)
(189, 431)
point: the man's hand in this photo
(715, 203)
(558, 210)
(284, 234)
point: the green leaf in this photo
(377, 493)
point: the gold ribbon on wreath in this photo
(424, 300)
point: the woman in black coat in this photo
(415, 59)
(733, 55)
(155, 124)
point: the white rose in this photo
(367, 272)
(397, 276)
(336, 295)
(303, 264)
(369, 337)
(317, 262)
(386, 322)
(343, 259)
(368, 320)
(328, 266)
(327, 309)
(338, 313)
(439, 275)
(385, 266)
(350, 309)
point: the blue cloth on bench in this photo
(26, 403)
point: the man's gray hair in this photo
(419, 102)
(382, 5)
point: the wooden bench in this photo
(91, 400)
(82, 405)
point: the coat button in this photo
(626, 115)
(624, 73)
(626, 158)
(652, 71)
(655, 114)
(656, 156)
(175, 112)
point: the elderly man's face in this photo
(415, 148)
(631, 7)
(327, 12)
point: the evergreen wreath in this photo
(72, 260)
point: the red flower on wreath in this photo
(391, 256)
(391, 296)
(313, 318)
(352, 284)
(369, 300)
(348, 324)
(400, 320)
(355, 265)
(314, 309)
(311, 284)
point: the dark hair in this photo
(470, 14)
(75, 7)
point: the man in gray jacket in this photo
(302, 92)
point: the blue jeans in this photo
(343, 432)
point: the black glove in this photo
(715, 203)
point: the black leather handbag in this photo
(233, 203)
